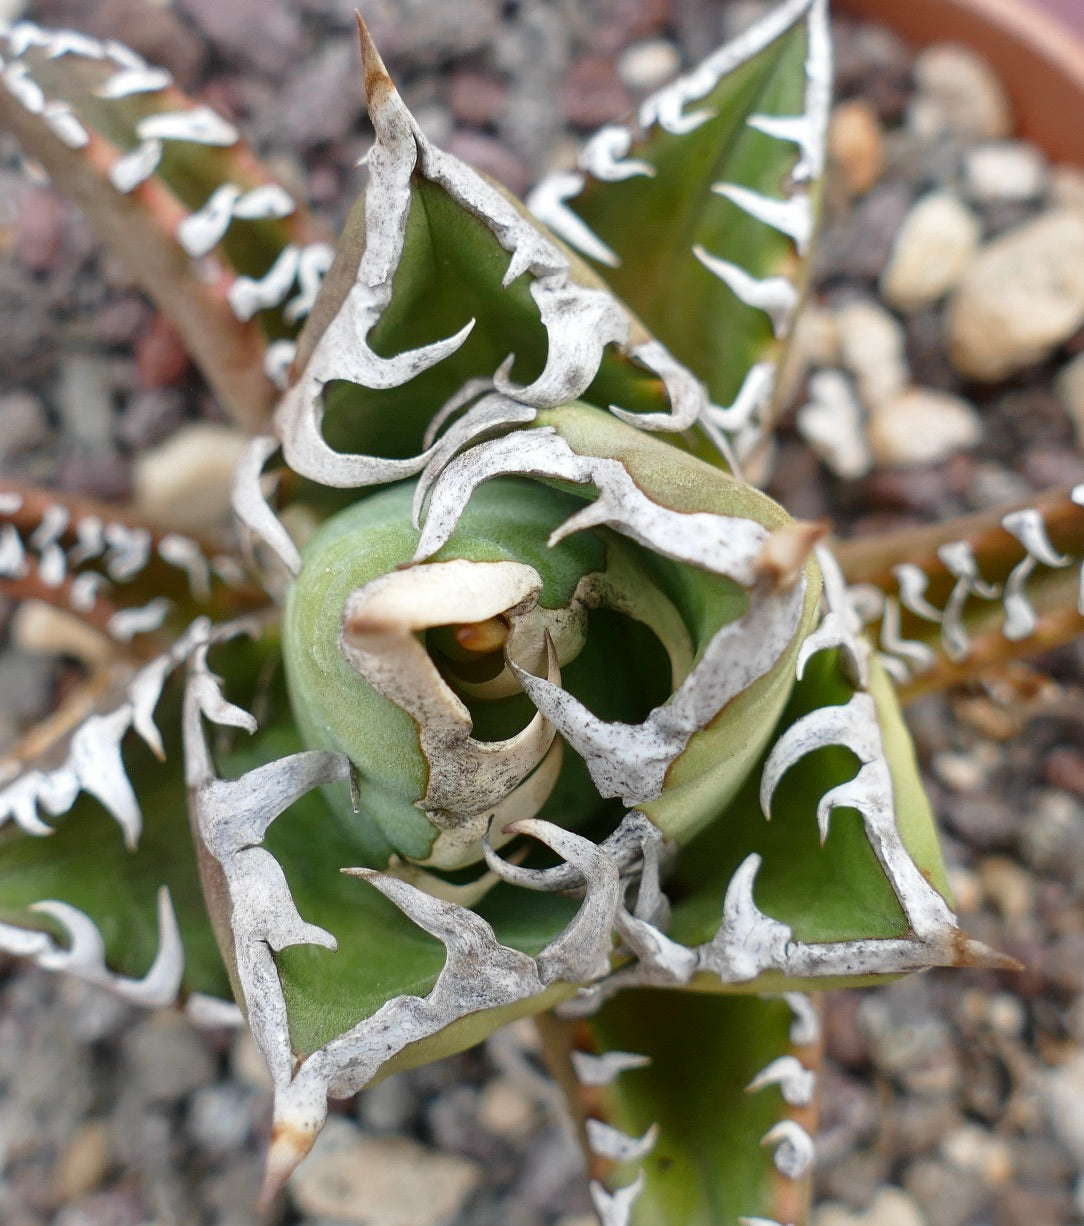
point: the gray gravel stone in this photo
(957, 89)
(219, 1118)
(321, 99)
(388, 1106)
(25, 337)
(263, 34)
(384, 1181)
(167, 1058)
(26, 681)
(23, 424)
(948, 1196)
(116, 1207)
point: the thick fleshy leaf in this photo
(167, 181)
(948, 600)
(115, 889)
(729, 1148)
(442, 283)
(700, 214)
(835, 891)
(381, 953)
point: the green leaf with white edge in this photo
(718, 759)
(334, 707)
(700, 214)
(166, 182)
(442, 278)
(85, 864)
(708, 1165)
(511, 520)
(835, 892)
(381, 953)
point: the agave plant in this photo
(516, 698)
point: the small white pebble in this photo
(1008, 170)
(831, 423)
(959, 771)
(384, 1181)
(922, 426)
(1021, 296)
(890, 1207)
(966, 889)
(973, 1149)
(872, 348)
(649, 64)
(1008, 887)
(932, 250)
(505, 1111)
(1007, 1015)
(185, 483)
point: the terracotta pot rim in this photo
(1039, 57)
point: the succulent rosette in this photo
(552, 707)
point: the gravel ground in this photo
(951, 1099)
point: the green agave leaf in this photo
(716, 761)
(381, 953)
(715, 1160)
(442, 280)
(167, 181)
(510, 520)
(342, 981)
(832, 892)
(88, 864)
(700, 215)
(138, 584)
(974, 591)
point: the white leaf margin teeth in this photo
(906, 659)
(231, 818)
(602, 1069)
(795, 1151)
(615, 1208)
(94, 763)
(580, 321)
(84, 958)
(792, 214)
(796, 1082)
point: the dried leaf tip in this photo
(786, 551)
(378, 84)
(290, 1144)
(972, 953)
